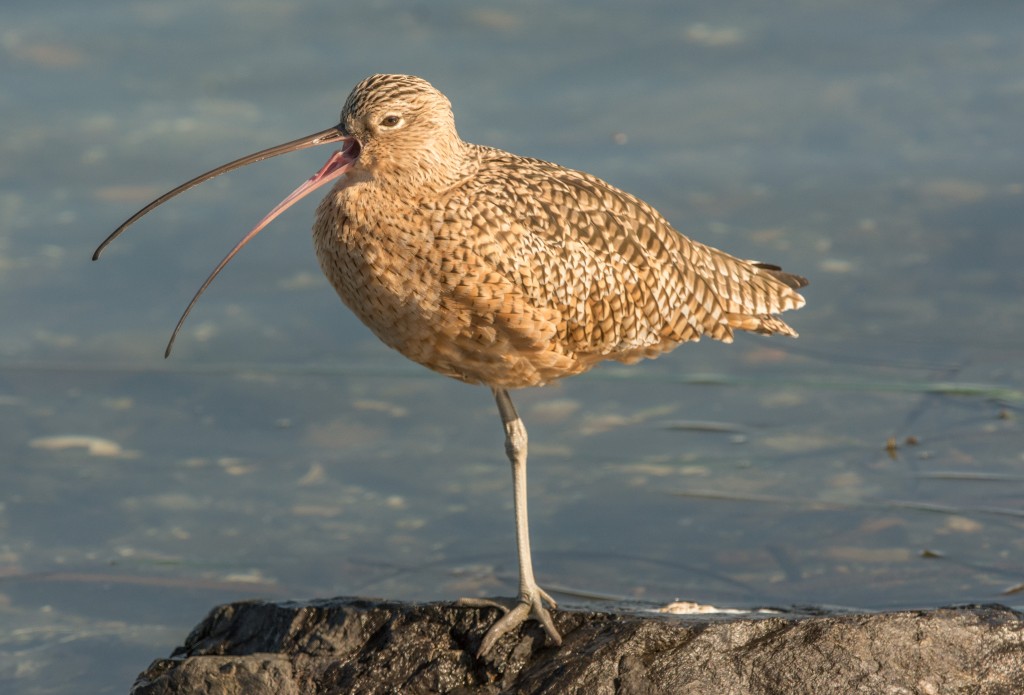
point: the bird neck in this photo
(434, 168)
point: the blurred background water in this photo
(877, 462)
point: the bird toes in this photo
(529, 606)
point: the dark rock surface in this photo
(359, 646)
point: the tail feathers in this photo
(774, 290)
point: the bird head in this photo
(404, 128)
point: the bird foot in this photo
(529, 606)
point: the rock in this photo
(361, 646)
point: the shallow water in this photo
(283, 452)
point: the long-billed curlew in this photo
(503, 270)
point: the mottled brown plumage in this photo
(509, 271)
(504, 270)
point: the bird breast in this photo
(429, 295)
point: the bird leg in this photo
(530, 603)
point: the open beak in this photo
(337, 165)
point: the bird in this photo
(502, 270)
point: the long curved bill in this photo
(337, 165)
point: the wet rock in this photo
(361, 646)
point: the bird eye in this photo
(390, 121)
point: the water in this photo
(283, 452)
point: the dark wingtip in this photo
(788, 279)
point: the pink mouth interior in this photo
(337, 165)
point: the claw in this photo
(516, 612)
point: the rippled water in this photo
(876, 462)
